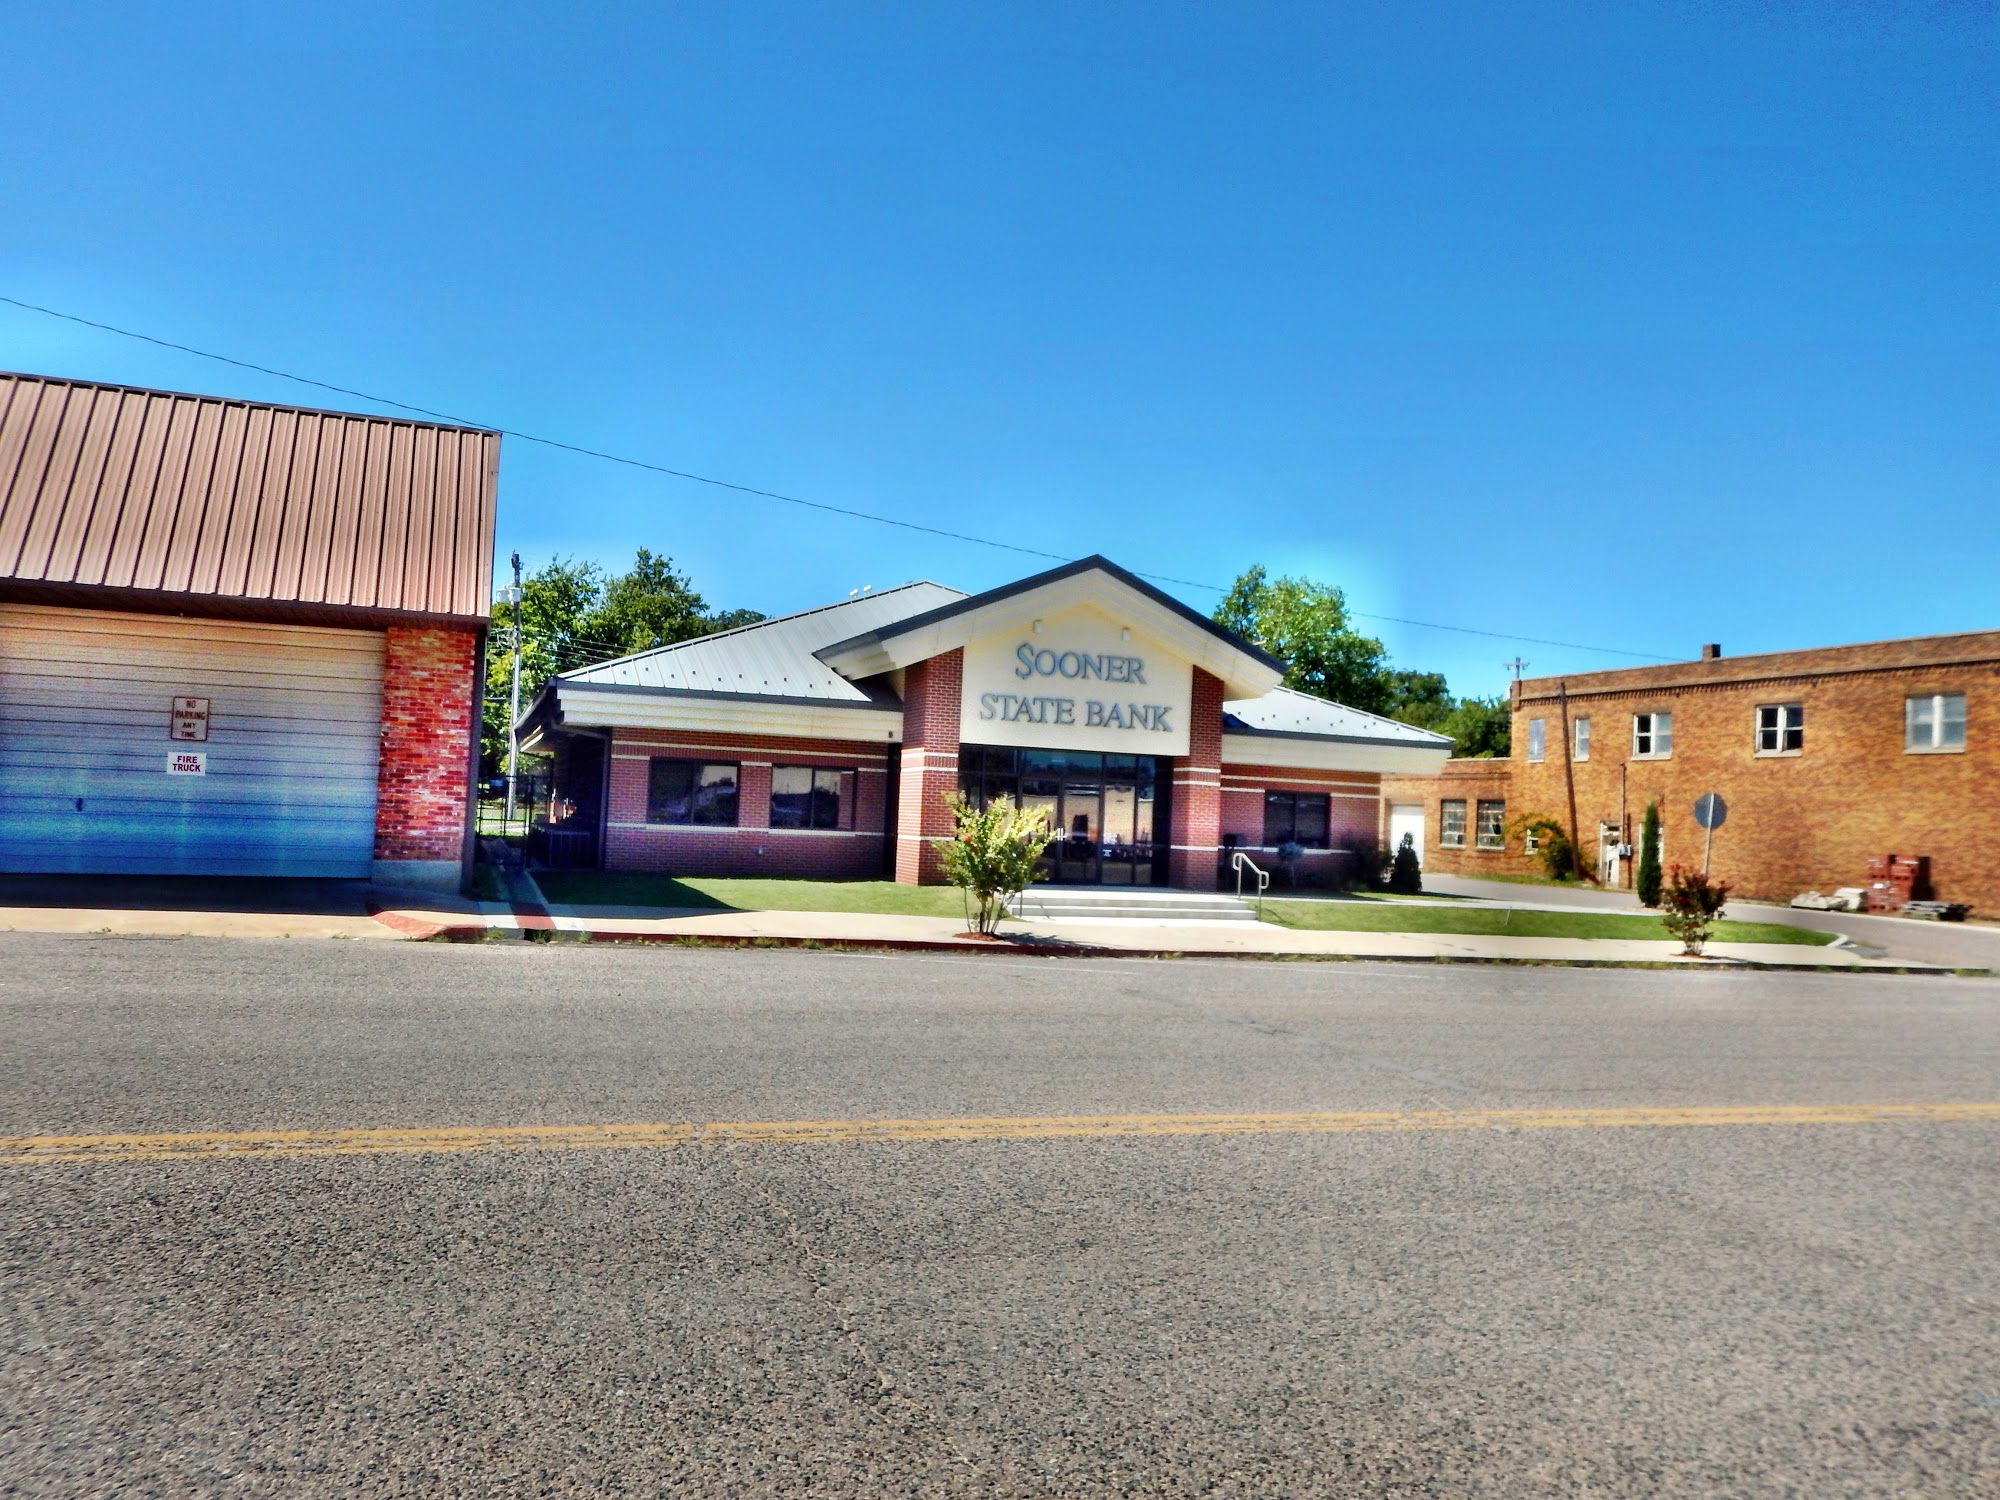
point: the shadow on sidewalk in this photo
(244, 893)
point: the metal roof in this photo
(115, 487)
(771, 659)
(1289, 712)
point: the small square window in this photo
(1652, 736)
(1492, 825)
(1451, 823)
(1781, 729)
(1538, 731)
(1579, 733)
(810, 797)
(1935, 721)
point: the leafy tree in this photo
(574, 615)
(993, 853)
(1648, 880)
(1406, 875)
(1304, 625)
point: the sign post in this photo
(1710, 811)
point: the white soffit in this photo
(716, 714)
(1299, 753)
(1242, 674)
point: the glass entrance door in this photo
(1103, 809)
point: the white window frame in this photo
(1653, 735)
(1579, 738)
(1445, 840)
(1789, 722)
(1538, 739)
(1937, 745)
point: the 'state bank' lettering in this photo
(1015, 708)
(1079, 664)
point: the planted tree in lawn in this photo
(991, 856)
(1689, 905)
(1406, 875)
(1649, 857)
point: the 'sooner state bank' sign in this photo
(1082, 682)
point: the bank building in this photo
(825, 744)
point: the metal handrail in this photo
(1239, 861)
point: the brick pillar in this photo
(1195, 820)
(422, 780)
(930, 765)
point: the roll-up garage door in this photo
(151, 744)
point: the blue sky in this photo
(1635, 326)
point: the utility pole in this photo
(514, 700)
(1569, 778)
(1515, 666)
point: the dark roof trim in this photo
(1093, 563)
(888, 703)
(113, 600)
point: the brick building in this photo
(1824, 757)
(237, 639)
(826, 743)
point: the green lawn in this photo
(616, 888)
(1378, 916)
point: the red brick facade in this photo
(930, 765)
(1195, 811)
(1353, 800)
(1467, 782)
(1798, 819)
(752, 847)
(428, 691)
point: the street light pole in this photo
(514, 701)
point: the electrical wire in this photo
(744, 489)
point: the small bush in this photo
(1648, 880)
(992, 855)
(1552, 846)
(1690, 903)
(1406, 875)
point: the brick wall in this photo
(930, 765)
(1470, 782)
(1352, 799)
(752, 847)
(1195, 817)
(424, 776)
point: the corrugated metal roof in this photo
(122, 488)
(1287, 711)
(773, 658)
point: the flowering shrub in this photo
(992, 854)
(1690, 902)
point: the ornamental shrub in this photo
(1552, 846)
(1691, 903)
(991, 855)
(1648, 881)
(1406, 875)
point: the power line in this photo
(745, 489)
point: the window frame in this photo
(1538, 741)
(1788, 733)
(1445, 805)
(1653, 735)
(701, 767)
(1292, 798)
(843, 812)
(1498, 844)
(1579, 738)
(1938, 721)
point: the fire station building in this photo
(826, 743)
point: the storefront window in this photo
(811, 797)
(1296, 818)
(689, 791)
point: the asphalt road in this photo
(1792, 1307)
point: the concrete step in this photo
(1123, 903)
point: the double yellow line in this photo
(460, 1140)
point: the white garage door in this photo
(1407, 817)
(93, 782)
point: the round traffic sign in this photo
(1710, 811)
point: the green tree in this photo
(1406, 875)
(1479, 728)
(992, 854)
(1648, 881)
(1304, 624)
(574, 615)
